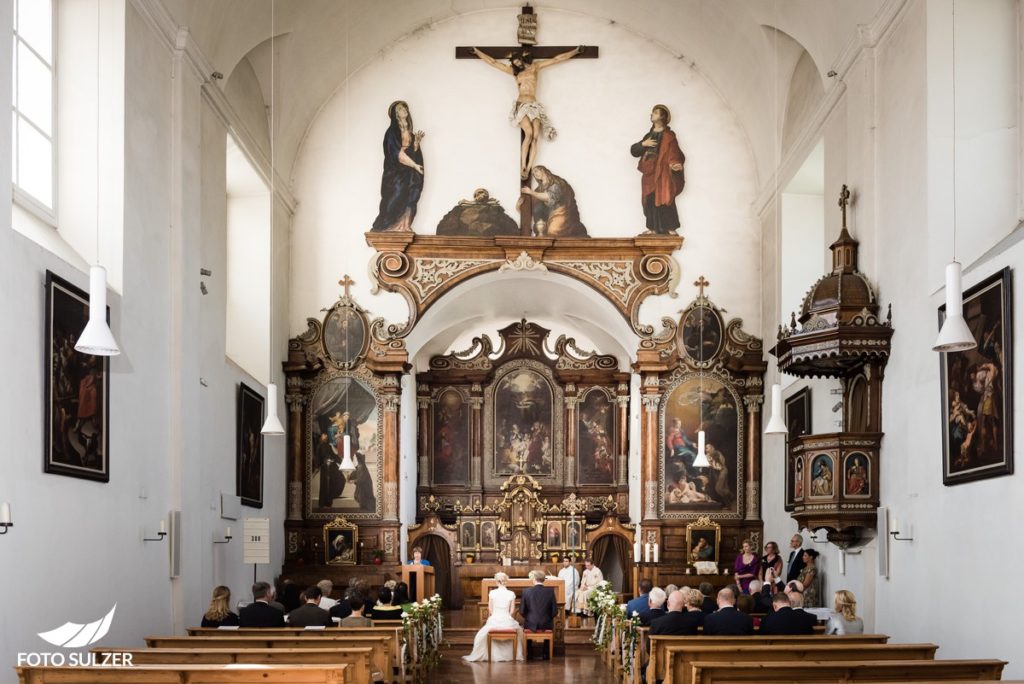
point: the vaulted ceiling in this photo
(321, 42)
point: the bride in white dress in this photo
(500, 605)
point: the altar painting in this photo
(523, 422)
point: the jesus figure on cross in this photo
(527, 113)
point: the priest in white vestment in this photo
(592, 576)
(571, 577)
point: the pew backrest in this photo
(185, 674)
(825, 672)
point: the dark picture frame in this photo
(711, 533)
(341, 542)
(77, 389)
(798, 413)
(977, 387)
(249, 447)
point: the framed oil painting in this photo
(596, 431)
(688, 488)
(574, 535)
(554, 534)
(822, 476)
(977, 387)
(344, 335)
(702, 540)
(467, 535)
(857, 475)
(523, 424)
(249, 447)
(341, 542)
(798, 413)
(489, 535)
(700, 333)
(450, 449)
(77, 389)
(344, 407)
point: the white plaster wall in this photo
(247, 279)
(600, 108)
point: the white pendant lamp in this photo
(776, 426)
(97, 339)
(347, 465)
(955, 335)
(702, 455)
(272, 426)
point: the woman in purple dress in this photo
(747, 567)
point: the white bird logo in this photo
(73, 635)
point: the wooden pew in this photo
(359, 661)
(844, 672)
(185, 674)
(383, 658)
(678, 658)
(389, 627)
(656, 665)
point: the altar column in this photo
(753, 455)
(571, 425)
(651, 401)
(392, 391)
(296, 403)
(622, 443)
(423, 438)
(476, 404)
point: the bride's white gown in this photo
(500, 601)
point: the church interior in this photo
(653, 286)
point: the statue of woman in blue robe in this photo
(402, 181)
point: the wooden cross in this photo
(527, 32)
(844, 201)
(702, 283)
(346, 283)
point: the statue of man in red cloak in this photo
(661, 169)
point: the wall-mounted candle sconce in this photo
(6, 521)
(159, 535)
(227, 537)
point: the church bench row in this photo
(186, 674)
(659, 644)
(384, 658)
(359, 660)
(844, 672)
(679, 658)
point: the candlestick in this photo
(228, 533)
(163, 527)
(655, 552)
(5, 514)
(647, 552)
(636, 552)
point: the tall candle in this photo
(636, 552)
(5, 513)
(647, 552)
(655, 552)
(228, 533)
(163, 526)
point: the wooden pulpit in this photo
(420, 579)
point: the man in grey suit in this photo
(538, 608)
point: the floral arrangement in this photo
(423, 629)
(612, 622)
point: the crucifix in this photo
(844, 201)
(702, 283)
(346, 283)
(525, 62)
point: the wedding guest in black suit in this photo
(796, 599)
(219, 613)
(538, 608)
(727, 621)
(655, 606)
(785, 620)
(796, 558)
(684, 614)
(708, 604)
(260, 613)
(310, 614)
(762, 599)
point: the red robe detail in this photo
(657, 177)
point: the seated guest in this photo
(417, 557)
(219, 613)
(260, 613)
(326, 589)
(291, 596)
(684, 614)
(727, 621)
(745, 603)
(310, 614)
(796, 599)
(401, 594)
(384, 608)
(708, 604)
(655, 606)
(762, 601)
(356, 618)
(785, 620)
(844, 620)
(342, 609)
(272, 600)
(669, 588)
(639, 604)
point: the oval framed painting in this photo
(344, 336)
(700, 333)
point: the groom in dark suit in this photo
(538, 608)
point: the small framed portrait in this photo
(574, 539)
(977, 387)
(857, 475)
(702, 540)
(489, 535)
(467, 534)
(798, 479)
(77, 389)
(341, 541)
(249, 447)
(798, 413)
(822, 476)
(554, 534)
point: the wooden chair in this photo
(503, 635)
(546, 636)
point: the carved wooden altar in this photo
(343, 383)
(559, 415)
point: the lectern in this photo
(420, 579)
